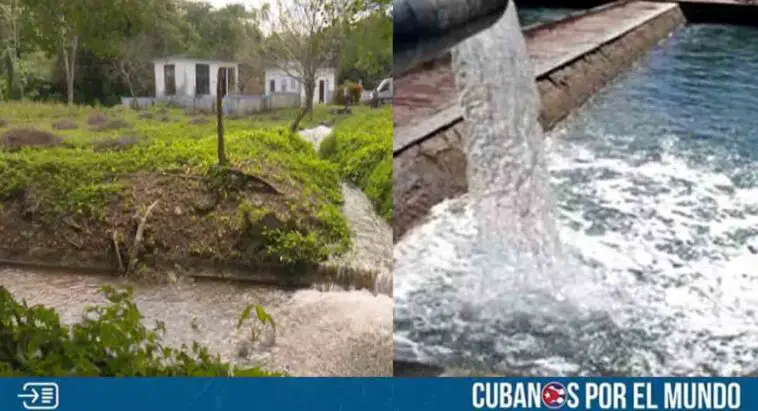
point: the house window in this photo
(169, 79)
(272, 85)
(284, 85)
(202, 79)
(293, 83)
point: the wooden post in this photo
(220, 119)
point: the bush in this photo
(328, 146)
(28, 137)
(65, 124)
(110, 341)
(93, 180)
(355, 93)
(362, 147)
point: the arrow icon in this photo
(39, 396)
(34, 395)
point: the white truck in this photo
(383, 93)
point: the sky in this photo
(251, 3)
(248, 3)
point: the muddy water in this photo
(318, 333)
(371, 235)
(372, 238)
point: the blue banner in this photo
(368, 394)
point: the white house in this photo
(181, 76)
(278, 81)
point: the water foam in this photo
(654, 277)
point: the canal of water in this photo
(655, 184)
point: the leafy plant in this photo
(262, 320)
(110, 341)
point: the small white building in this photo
(179, 76)
(278, 81)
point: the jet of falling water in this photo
(504, 145)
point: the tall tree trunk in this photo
(127, 78)
(69, 61)
(220, 120)
(11, 74)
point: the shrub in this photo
(362, 147)
(328, 146)
(97, 119)
(28, 137)
(110, 341)
(117, 143)
(65, 124)
(114, 124)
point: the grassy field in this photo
(361, 146)
(82, 178)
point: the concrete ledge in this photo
(429, 164)
(103, 264)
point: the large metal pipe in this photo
(423, 29)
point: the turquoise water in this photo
(655, 183)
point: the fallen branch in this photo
(118, 252)
(134, 251)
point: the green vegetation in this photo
(362, 147)
(93, 51)
(110, 341)
(279, 202)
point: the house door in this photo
(271, 85)
(321, 91)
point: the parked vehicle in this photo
(383, 92)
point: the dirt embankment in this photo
(161, 203)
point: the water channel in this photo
(655, 190)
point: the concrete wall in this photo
(567, 87)
(284, 83)
(241, 105)
(232, 104)
(434, 168)
(185, 76)
(283, 100)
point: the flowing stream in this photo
(652, 188)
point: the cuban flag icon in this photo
(554, 395)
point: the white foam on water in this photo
(654, 276)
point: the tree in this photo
(65, 26)
(367, 51)
(303, 40)
(133, 62)
(11, 13)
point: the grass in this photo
(361, 146)
(281, 203)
